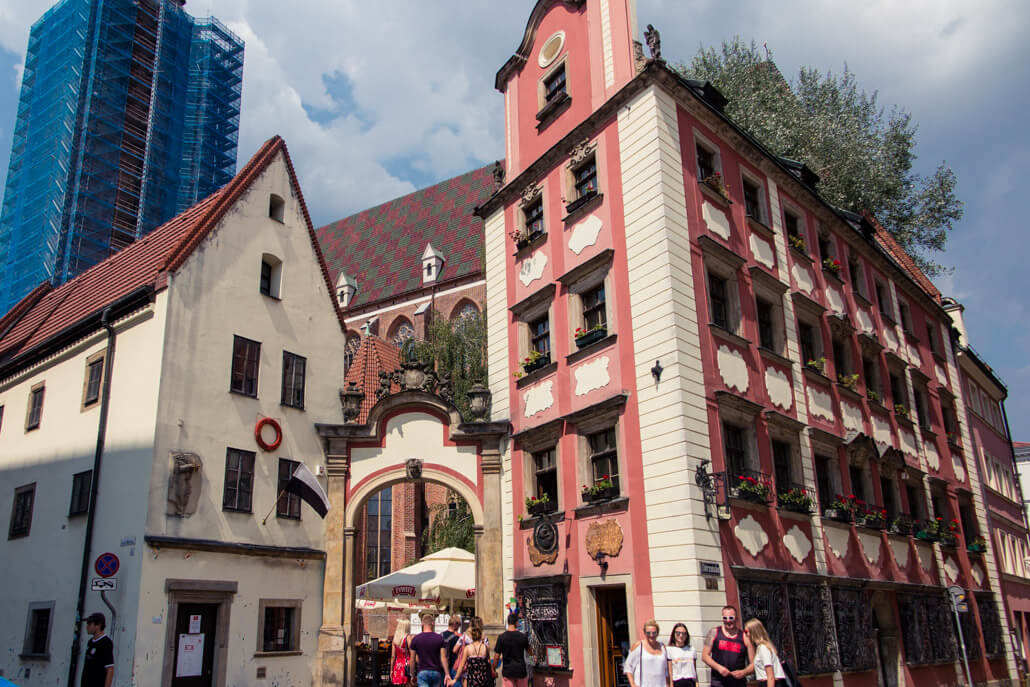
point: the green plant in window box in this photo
(901, 410)
(796, 242)
(600, 490)
(901, 524)
(539, 505)
(832, 265)
(873, 518)
(872, 395)
(534, 360)
(817, 364)
(978, 545)
(849, 381)
(842, 509)
(585, 337)
(796, 500)
(750, 489)
(952, 438)
(714, 181)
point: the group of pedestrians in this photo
(730, 652)
(452, 657)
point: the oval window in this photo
(552, 48)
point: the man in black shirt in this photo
(511, 648)
(98, 668)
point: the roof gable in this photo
(373, 357)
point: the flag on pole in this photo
(303, 484)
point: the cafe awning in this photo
(439, 579)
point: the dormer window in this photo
(346, 288)
(432, 264)
(271, 275)
(276, 207)
(552, 95)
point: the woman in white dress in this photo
(648, 662)
(768, 671)
(682, 657)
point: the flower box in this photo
(977, 546)
(817, 364)
(872, 522)
(927, 535)
(901, 526)
(797, 243)
(590, 336)
(751, 489)
(832, 266)
(532, 363)
(840, 515)
(605, 494)
(795, 500)
(539, 506)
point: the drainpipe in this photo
(94, 487)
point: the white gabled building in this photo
(182, 373)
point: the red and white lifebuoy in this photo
(268, 445)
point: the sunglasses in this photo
(680, 632)
(728, 619)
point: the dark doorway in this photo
(613, 638)
(195, 626)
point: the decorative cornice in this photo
(530, 194)
(240, 548)
(581, 152)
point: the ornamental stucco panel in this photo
(763, 251)
(851, 415)
(925, 553)
(732, 368)
(959, 468)
(881, 432)
(585, 234)
(751, 535)
(532, 268)
(942, 376)
(538, 398)
(950, 569)
(908, 443)
(797, 543)
(839, 538)
(978, 574)
(592, 375)
(870, 546)
(913, 355)
(820, 403)
(780, 390)
(933, 459)
(715, 219)
(835, 299)
(890, 338)
(900, 551)
(865, 320)
(803, 277)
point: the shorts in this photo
(515, 681)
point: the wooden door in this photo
(195, 626)
(613, 638)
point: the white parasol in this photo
(441, 578)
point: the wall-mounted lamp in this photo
(656, 371)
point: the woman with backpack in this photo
(648, 662)
(682, 657)
(768, 669)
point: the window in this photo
(753, 200)
(855, 272)
(239, 480)
(1, 417)
(540, 336)
(781, 453)
(869, 373)
(278, 625)
(21, 511)
(705, 162)
(792, 223)
(931, 337)
(890, 502)
(857, 475)
(534, 215)
(94, 377)
(898, 390)
(276, 207)
(294, 368)
(824, 247)
(593, 308)
(378, 532)
(245, 357)
(807, 340)
(554, 86)
(824, 481)
(81, 482)
(841, 359)
(350, 349)
(545, 470)
(604, 457)
(906, 317)
(35, 410)
(288, 505)
(766, 337)
(271, 275)
(586, 179)
(883, 301)
(718, 299)
(736, 450)
(37, 630)
(403, 331)
(916, 501)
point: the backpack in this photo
(790, 672)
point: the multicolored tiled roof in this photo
(374, 356)
(381, 248)
(47, 312)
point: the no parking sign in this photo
(106, 565)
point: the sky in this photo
(376, 100)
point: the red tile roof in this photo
(894, 249)
(374, 356)
(381, 248)
(46, 312)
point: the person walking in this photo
(98, 667)
(474, 665)
(682, 657)
(431, 663)
(768, 669)
(451, 637)
(400, 653)
(726, 653)
(648, 663)
(510, 651)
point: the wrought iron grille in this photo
(767, 602)
(994, 644)
(547, 625)
(853, 612)
(927, 629)
(811, 613)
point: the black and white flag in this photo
(303, 484)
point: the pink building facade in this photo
(728, 391)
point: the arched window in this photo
(402, 330)
(271, 275)
(276, 207)
(350, 349)
(464, 310)
(378, 533)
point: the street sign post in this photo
(104, 584)
(959, 605)
(106, 565)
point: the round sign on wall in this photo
(106, 565)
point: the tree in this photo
(457, 349)
(450, 526)
(862, 154)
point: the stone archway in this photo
(410, 434)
